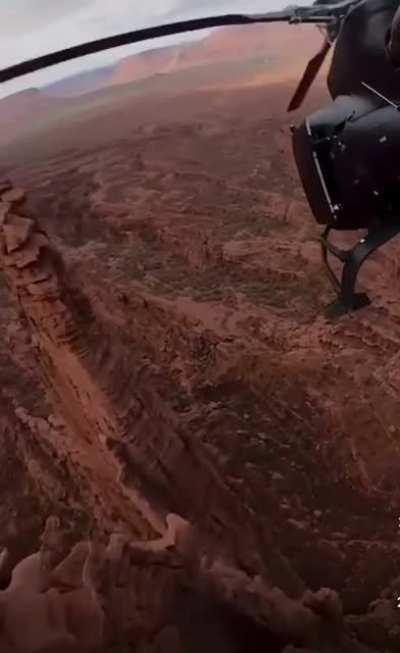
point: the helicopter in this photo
(346, 152)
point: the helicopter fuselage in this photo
(347, 153)
(360, 55)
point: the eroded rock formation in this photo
(34, 272)
(137, 460)
(142, 594)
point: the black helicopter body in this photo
(347, 153)
(359, 53)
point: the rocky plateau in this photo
(192, 455)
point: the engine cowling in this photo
(348, 162)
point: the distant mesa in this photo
(286, 48)
(228, 57)
(85, 82)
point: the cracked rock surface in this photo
(163, 352)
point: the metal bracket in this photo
(352, 260)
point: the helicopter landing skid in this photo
(348, 300)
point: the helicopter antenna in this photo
(375, 92)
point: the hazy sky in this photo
(29, 28)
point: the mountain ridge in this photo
(276, 41)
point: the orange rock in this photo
(5, 185)
(5, 208)
(69, 571)
(48, 288)
(17, 232)
(31, 274)
(14, 196)
(28, 255)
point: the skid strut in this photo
(348, 300)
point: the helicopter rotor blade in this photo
(309, 75)
(136, 36)
(323, 13)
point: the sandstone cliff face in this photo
(271, 45)
(171, 301)
(137, 461)
(33, 271)
(107, 418)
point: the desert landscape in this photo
(192, 455)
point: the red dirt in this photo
(192, 269)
